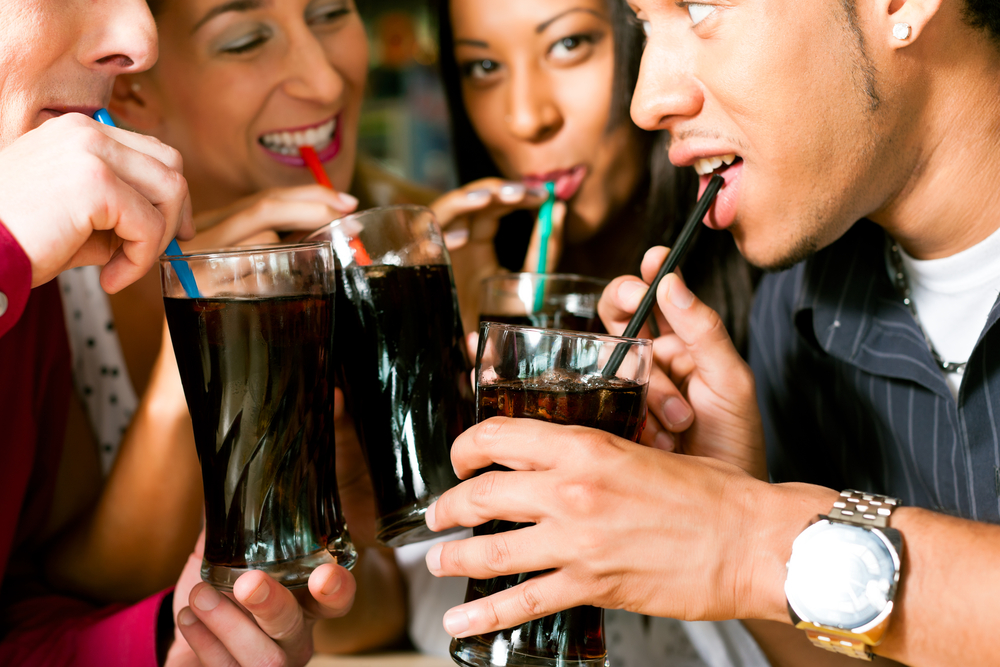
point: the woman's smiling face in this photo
(241, 84)
(537, 82)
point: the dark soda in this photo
(572, 637)
(406, 378)
(257, 383)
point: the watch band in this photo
(868, 510)
(864, 509)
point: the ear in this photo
(136, 103)
(903, 21)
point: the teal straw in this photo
(545, 222)
(183, 271)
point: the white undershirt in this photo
(953, 297)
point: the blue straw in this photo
(545, 221)
(183, 271)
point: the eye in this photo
(573, 48)
(566, 45)
(246, 43)
(326, 13)
(480, 69)
(699, 12)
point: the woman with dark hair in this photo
(539, 91)
(542, 92)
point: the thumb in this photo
(700, 328)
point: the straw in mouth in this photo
(677, 252)
(183, 271)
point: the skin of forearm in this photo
(378, 617)
(139, 534)
(946, 607)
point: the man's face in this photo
(57, 57)
(786, 87)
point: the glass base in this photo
(474, 652)
(293, 573)
(407, 526)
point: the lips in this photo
(283, 145)
(567, 181)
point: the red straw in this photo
(308, 154)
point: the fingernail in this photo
(331, 586)
(186, 617)
(477, 195)
(207, 599)
(664, 441)
(456, 622)
(456, 238)
(676, 411)
(348, 200)
(434, 558)
(259, 595)
(627, 293)
(679, 294)
(512, 191)
(539, 191)
(430, 515)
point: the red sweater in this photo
(37, 628)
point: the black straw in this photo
(677, 252)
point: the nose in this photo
(666, 92)
(310, 73)
(120, 37)
(532, 112)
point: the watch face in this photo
(839, 575)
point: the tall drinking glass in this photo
(546, 300)
(254, 351)
(553, 376)
(403, 364)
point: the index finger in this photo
(519, 444)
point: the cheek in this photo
(487, 111)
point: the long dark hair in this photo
(714, 269)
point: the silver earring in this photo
(136, 87)
(901, 31)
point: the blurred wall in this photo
(404, 124)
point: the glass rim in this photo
(563, 276)
(566, 333)
(333, 224)
(236, 251)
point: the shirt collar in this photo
(848, 308)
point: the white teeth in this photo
(288, 143)
(707, 165)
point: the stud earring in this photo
(136, 87)
(901, 31)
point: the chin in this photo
(771, 257)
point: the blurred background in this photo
(404, 124)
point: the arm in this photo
(721, 538)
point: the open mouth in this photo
(730, 167)
(567, 181)
(284, 145)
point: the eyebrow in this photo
(540, 28)
(231, 6)
(543, 26)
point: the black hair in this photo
(984, 15)
(714, 268)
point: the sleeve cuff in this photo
(15, 280)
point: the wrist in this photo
(776, 514)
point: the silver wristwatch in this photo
(843, 574)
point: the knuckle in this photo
(530, 599)
(497, 554)
(484, 487)
(579, 494)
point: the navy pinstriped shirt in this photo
(851, 397)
